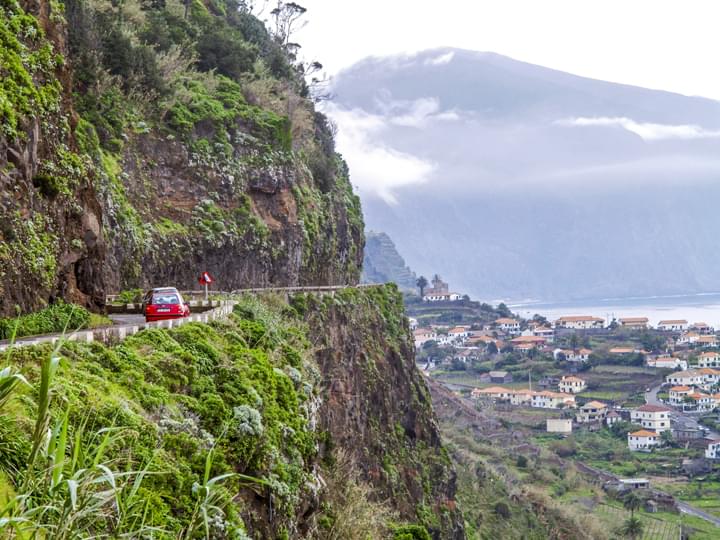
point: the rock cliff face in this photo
(51, 241)
(382, 262)
(377, 406)
(130, 156)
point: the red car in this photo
(164, 303)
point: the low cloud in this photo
(377, 168)
(440, 60)
(646, 130)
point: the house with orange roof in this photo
(422, 335)
(638, 323)
(524, 348)
(666, 362)
(622, 351)
(699, 401)
(709, 340)
(494, 392)
(552, 400)
(592, 411)
(458, 333)
(521, 397)
(509, 325)
(571, 384)
(643, 440)
(708, 360)
(579, 322)
(702, 328)
(673, 325)
(677, 394)
(655, 417)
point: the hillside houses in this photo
(592, 411)
(654, 417)
(544, 399)
(576, 355)
(571, 385)
(506, 324)
(643, 440)
(702, 377)
(673, 325)
(667, 362)
(580, 322)
(708, 360)
(440, 292)
(637, 323)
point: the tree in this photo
(287, 15)
(632, 528)
(503, 310)
(666, 438)
(631, 502)
(421, 283)
(492, 348)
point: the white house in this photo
(592, 411)
(678, 393)
(579, 322)
(707, 341)
(494, 392)
(423, 335)
(643, 440)
(674, 325)
(699, 401)
(655, 417)
(708, 359)
(688, 338)
(521, 397)
(688, 377)
(413, 323)
(578, 355)
(458, 333)
(544, 332)
(571, 384)
(611, 418)
(713, 450)
(552, 400)
(667, 362)
(702, 328)
(558, 425)
(442, 297)
(506, 324)
(634, 322)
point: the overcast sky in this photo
(662, 44)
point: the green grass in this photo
(99, 321)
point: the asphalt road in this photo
(691, 510)
(686, 419)
(122, 319)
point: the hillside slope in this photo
(316, 442)
(146, 142)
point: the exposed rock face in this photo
(382, 263)
(51, 242)
(254, 196)
(377, 406)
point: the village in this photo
(656, 387)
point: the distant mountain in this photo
(516, 181)
(382, 263)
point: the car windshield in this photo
(166, 298)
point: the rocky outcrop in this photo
(382, 263)
(377, 406)
(51, 242)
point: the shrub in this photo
(53, 319)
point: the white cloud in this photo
(375, 168)
(413, 113)
(441, 59)
(648, 131)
